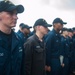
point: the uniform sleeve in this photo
(49, 40)
(28, 58)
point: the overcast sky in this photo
(47, 9)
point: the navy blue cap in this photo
(70, 30)
(22, 25)
(64, 29)
(41, 22)
(58, 20)
(9, 7)
(73, 28)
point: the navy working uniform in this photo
(65, 52)
(11, 52)
(23, 35)
(74, 53)
(18, 32)
(74, 49)
(31, 33)
(11, 48)
(53, 52)
(34, 56)
(71, 54)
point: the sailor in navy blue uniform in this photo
(53, 46)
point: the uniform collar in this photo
(37, 38)
(15, 40)
(57, 34)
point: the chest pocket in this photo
(57, 43)
(39, 50)
(39, 54)
(56, 39)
